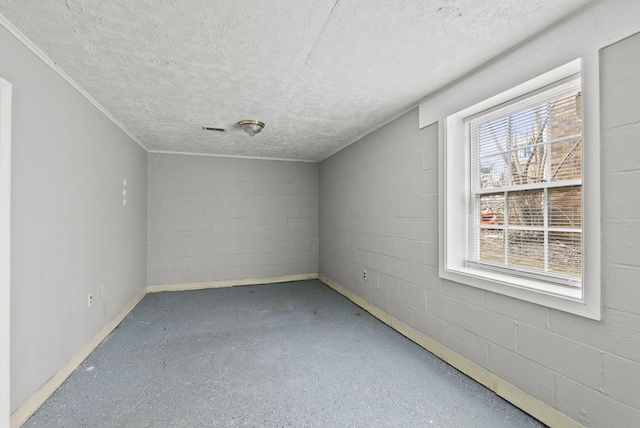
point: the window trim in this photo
(584, 301)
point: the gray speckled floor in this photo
(279, 355)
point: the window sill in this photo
(563, 298)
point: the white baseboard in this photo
(536, 408)
(541, 411)
(32, 404)
(229, 283)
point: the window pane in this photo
(492, 172)
(491, 209)
(493, 136)
(566, 159)
(529, 169)
(565, 207)
(526, 208)
(566, 134)
(490, 156)
(492, 245)
(563, 117)
(526, 249)
(565, 253)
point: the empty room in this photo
(320, 213)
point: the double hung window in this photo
(517, 217)
(525, 185)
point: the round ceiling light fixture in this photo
(251, 127)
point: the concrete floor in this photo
(278, 355)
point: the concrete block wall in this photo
(219, 218)
(379, 213)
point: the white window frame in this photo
(584, 300)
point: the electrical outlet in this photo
(90, 300)
(364, 275)
(101, 292)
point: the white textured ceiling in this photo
(319, 73)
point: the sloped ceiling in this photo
(319, 73)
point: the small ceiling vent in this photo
(211, 128)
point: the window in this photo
(525, 185)
(513, 195)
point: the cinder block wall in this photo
(217, 218)
(379, 212)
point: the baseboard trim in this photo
(541, 411)
(32, 404)
(536, 408)
(229, 283)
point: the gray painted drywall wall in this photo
(379, 212)
(217, 218)
(70, 233)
